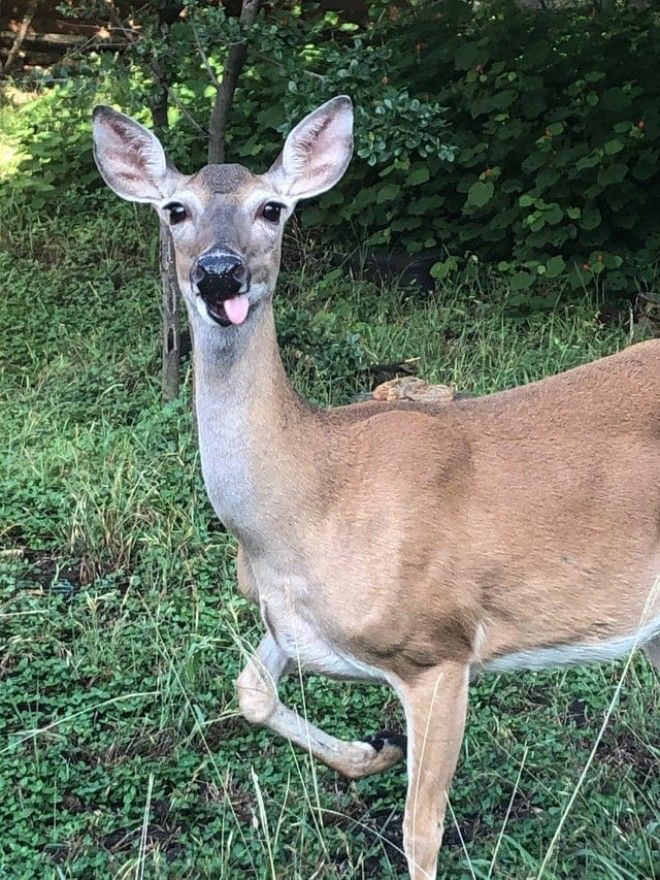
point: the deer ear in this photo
(130, 158)
(317, 152)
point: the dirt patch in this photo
(59, 575)
(145, 744)
(158, 836)
(374, 821)
(7, 663)
(629, 754)
(243, 803)
(576, 713)
(463, 832)
(161, 833)
(219, 732)
(374, 824)
(52, 573)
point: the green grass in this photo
(122, 632)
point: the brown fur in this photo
(404, 541)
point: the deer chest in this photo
(288, 611)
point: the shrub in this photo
(525, 139)
(557, 122)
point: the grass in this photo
(122, 632)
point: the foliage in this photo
(558, 129)
(53, 135)
(525, 140)
(555, 128)
(122, 631)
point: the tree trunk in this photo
(225, 94)
(171, 316)
(159, 110)
(171, 295)
(20, 36)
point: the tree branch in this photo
(205, 61)
(132, 36)
(20, 36)
(225, 94)
(319, 76)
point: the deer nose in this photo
(220, 275)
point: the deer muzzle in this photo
(222, 279)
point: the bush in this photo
(557, 122)
(528, 140)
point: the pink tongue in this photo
(236, 308)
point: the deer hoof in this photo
(386, 738)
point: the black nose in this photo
(220, 275)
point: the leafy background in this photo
(527, 141)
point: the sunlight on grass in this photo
(11, 98)
(10, 156)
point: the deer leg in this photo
(436, 706)
(259, 703)
(652, 650)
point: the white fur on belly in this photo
(568, 655)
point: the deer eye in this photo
(176, 211)
(271, 211)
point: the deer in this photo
(404, 542)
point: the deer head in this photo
(226, 222)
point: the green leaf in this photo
(380, 237)
(469, 55)
(426, 204)
(587, 162)
(388, 192)
(526, 201)
(365, 197)
(521, 280)
(617, 281)
(405, 223)
(591, 218)
(443, 268)
(534, 55)
(553, 214)
(646, 164)
(419, 175)
(555, 128)
(547, 177)
(554, 267)
(504, 99)
(613, 147)
(615, 99)
(480, 193)
(612, 174)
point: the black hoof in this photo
(385, 737)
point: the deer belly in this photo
(576, 653)
(304, 642)
(313, 655)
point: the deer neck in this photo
(255, 433)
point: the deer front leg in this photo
(259, 703)
(436, 706)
